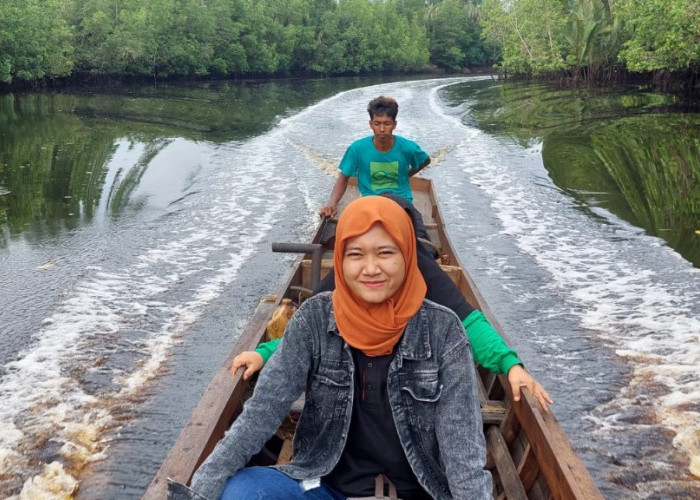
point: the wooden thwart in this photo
(493, 412)
(510, 480)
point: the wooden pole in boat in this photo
(316, 251)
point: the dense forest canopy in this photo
(49, 39)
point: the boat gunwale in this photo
(201, 433)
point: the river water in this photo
(135, 231)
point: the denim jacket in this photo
(432, 393)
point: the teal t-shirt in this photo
(379, 172)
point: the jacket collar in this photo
(415, 342)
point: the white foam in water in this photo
(647, 316)
(41, 399)
(346, 115)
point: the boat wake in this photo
(617, 286)
(608, 288)
(112, 332)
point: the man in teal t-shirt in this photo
(382, 162)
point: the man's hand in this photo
(518, 377)
(331, 209)
(250, 360)
(328, 211)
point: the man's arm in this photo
(339, 188)
(412, 172)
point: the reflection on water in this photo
(623, 150)
(121, 217)
(655, 163)
(624, 165)
(51, 166)
(55, 149)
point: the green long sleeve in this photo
(267, 348)
(489, 349)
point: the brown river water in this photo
(135, 231)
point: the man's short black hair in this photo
(383, 105)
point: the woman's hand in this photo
(518, 377)
(250, 360)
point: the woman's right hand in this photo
(250, 360)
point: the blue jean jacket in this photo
(432, 393)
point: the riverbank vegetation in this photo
(46, 40)
(596, 39)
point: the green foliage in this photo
(529, 32)
(665, 34)
(35, 40)
(593, 35)
(43, 39)
(192, 37)
(455, 35)
(360, 36)
(584, 36)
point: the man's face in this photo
(383, 126)
(373, 266)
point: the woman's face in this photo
(373, 265)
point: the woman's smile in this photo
(373, 284)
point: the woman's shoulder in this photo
(439, 311)
(317, 309)
(315, 315)
(438, 326)
(437, 317)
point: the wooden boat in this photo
(529, 453)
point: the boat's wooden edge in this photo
(556, 458)
(217, 407)
(468, 288)
(564, 471)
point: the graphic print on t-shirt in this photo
(384, 175)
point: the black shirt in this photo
(373, 445)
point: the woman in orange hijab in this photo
(378, 285)
(390, 385)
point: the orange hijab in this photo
(376, 328)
